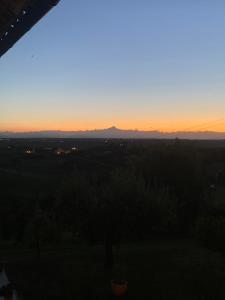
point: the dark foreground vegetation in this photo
(77, 213)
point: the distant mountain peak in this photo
(114, 132)
(113, 128)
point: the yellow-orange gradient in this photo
(165, 125)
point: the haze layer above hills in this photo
(114, 132)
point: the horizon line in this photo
(111, 127)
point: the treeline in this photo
(130, 194)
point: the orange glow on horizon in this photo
(163, 126)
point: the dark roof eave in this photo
(23, 22)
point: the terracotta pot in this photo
(8, 295)
(119, 287)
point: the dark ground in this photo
(161, 269)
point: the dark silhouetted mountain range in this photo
(114, 132)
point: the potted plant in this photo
(119, 285)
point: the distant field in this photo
(177, 269)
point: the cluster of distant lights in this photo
(24, 12)
(28, 151)
(62, 151)
(58, 152)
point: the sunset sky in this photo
(145, 64)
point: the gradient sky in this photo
(146, 64)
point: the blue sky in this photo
(135, 64)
